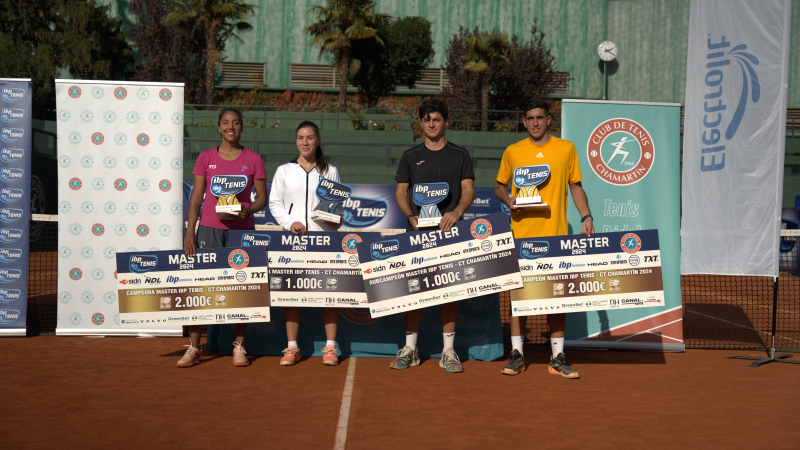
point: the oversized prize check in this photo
(425, 268)
(578, 273)
(217, 285)
(315, 269)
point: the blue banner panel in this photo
(15, 200)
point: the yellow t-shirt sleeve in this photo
(574, 168)
(504, 174)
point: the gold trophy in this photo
(226, 187)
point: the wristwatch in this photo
(586, 217)
(408, 217)
(249, 213)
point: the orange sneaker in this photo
(192, 357)
(239, 358)
(329, 356)
(290, 356)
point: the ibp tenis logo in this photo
(533, 249)
(10, 155)
(384, 249)
(255, 240)
(8, 195)
(9, 316)
(11, 95)
(718, 64)
(363, 212)
(142, 263)
(11, 134)
(11, 115)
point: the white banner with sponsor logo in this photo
(734, 136)
(120, 158)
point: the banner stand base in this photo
(12, 332)
(152, 332)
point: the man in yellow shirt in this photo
(537, 149)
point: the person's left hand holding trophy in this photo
(331, 194)
(225, 188)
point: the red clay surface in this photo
(65, 392)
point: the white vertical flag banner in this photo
(120, 169)
(734, 136)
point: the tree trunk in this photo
(485, 100)
(344, 68)
(211, 60)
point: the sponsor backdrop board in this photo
(15, 198)
(120, 158)
(734, 140)
(372, 206)
(424, 268)
(578, 273)
(312, 270)
(629, 155)
(163, 288)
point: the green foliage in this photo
(407, 49)
(339, 24)
(485, 49)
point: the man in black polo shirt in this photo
(434, 161)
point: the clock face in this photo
(607, 51)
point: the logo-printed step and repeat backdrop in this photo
(15, 200)
(120, 158)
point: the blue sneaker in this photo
(405, 358)
(450, 361)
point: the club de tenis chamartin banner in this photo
(15, 201)
(120, 167)
(629, 158)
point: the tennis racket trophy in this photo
(331, 194)
(225, 188)
(527, 179)
(427, 196)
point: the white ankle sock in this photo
(411, 339)
(330, 344)
(516, 343)
(292, 344)
(558, 346)
(449, 340)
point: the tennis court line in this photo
(651, 329)
(740, 325)
(344, 411)
(725, 297)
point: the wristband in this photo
(249, 213)
(586, 217)
(408, 217)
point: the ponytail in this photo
(322, 164)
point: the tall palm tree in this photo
(219, 19)
(486, 49)
(339, 23)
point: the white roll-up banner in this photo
(120, 170)
(734, 136)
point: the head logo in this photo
(120, 184)
(98, 229)
(154, 117)
(109, 252)
(132, 208)
(142, 184)
(98, 92)
(176, 208)
(110, 162)
(132, 162)
(363, 212)
(384, 249)
(142, 263)
(164, 230)
(98, 274)
(481, 229)
(120, 139)
(98, 319)
(87, 207)
(154, 163)
(74, 91)
(349, 243)
(165, 140)
(64, 115)
(75, 319)
(75, 228)
(533, 249)
(64, 252)
(110, 116)
(87, 297)
(132, 117)
(120, 229)
(75, 184)
(142, 139)
(165, 94)
(11, 115)
(620, 151)
(142, 230)
(86, 115)
(238, 259)
(64, 297)
(630, 243)
(176, 118)
(75, 274)
(109, 207)
(87, 161)
(64, 161)
(176, 163)
(164, 185)
(143, 93)
(120, 93)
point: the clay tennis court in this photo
(70, 392)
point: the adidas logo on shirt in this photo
(540, 155)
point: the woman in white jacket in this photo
(292, 198)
